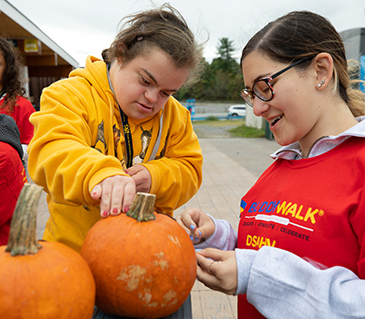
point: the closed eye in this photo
(166, 94)
(145, 81)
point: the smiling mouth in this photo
(275, 120)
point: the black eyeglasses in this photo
(263, 89)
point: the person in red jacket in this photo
(12, 173)
(12, 94)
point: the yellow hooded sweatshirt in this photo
(78, 142)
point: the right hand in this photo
(116, 194)
(196, 223)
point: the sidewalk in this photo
(231, 166)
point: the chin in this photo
(282, 141)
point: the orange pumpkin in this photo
(144, 263)
(41, 280)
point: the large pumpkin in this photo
(144, 263)
(40, 280)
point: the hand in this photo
(116, 194)
(196, 223)
(217, 269)
(141, 176)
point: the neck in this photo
(340, 121)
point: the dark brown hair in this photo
(164, 28)
(11, 81)
(300, 34)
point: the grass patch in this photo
(216, 122)
(244, 131)
(212, 118)
(236, 128)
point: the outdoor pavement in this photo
(231, 166)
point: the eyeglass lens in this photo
(262, 90)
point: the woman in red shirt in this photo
(12, 100)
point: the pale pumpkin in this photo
(41, 279)
(144, 263)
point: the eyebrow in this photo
(262, 76)
(259, 77)
(155, 81)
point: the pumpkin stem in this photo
(23, 237)
(143, 207)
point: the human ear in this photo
(323, 65)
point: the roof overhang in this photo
(42, 56)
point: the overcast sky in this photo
(86, 27)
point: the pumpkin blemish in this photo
(146, 297)
(175, 240)
(170, 295)
(132, 276)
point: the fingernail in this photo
(115, 210)
(94, 193)
(105, 214)
(200, 233)
(192, 227)
(126, 209)
(191, 238)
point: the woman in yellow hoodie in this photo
(113, 129)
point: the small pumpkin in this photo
(144, 263)
(41, 279)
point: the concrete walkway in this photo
(231, 166)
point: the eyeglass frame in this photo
(267, 80)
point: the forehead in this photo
(257, 65)
(158, 65)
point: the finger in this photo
(206, 276)
(212, 253)
(105, 199)
(117, 198)
(180, 222)
(204, 263)
(129, 194)
(190, 226)
(96, 192)
(188, 217)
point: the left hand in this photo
(217, 269)
(141, 177)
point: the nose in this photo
(259, 107)
(151, 95)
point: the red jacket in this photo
(22, 111)
(12, 179)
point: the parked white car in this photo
(237, 110)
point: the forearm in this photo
(282, 285)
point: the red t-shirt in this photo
(12, 179)
(21, 114)
(314, 208)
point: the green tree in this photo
(222, 79)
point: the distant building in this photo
(354, 40)
(44, 61)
